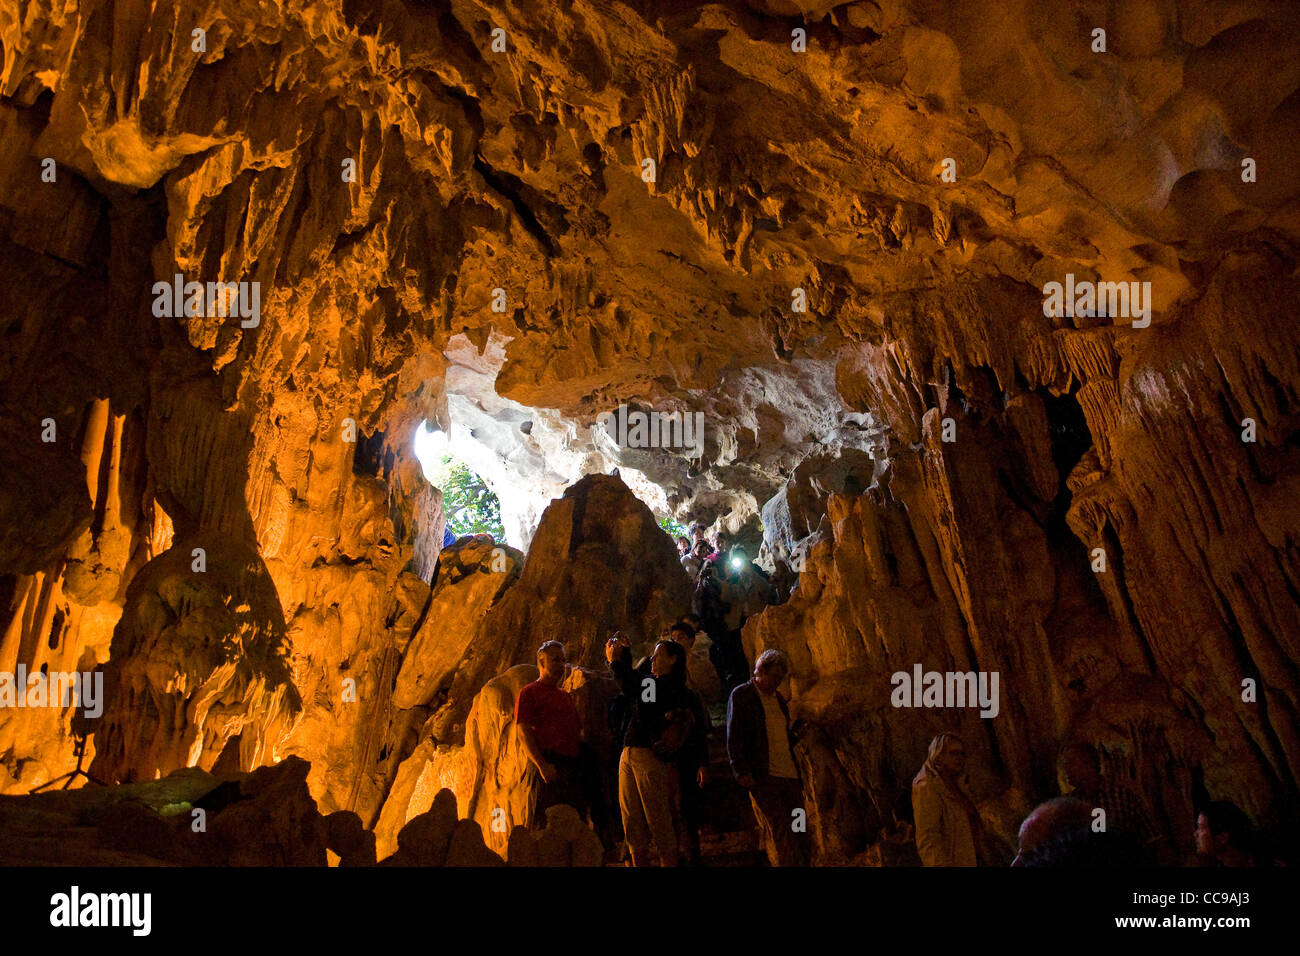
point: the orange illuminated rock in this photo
(836, 251)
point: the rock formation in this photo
(189, 818)
(829, 228)
(198, 664)
(597, 563)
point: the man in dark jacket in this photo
(761, 749)
(712, 612)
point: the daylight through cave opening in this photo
(779, 274)
(469, 504)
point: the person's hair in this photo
(772, 659)
(1224, 816)
(1064, 837)
(681, 627)
(678, 654)
(551, 646)
(682, 537)
(942, 742)
(695, 526)
(1079, 846)
(708, 549)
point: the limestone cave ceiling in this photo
(659, 188)
(522, 170)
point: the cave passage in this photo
(951, 337)
(469, 504)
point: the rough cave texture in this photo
(188, 818)
(130, 436)
(598, 563)
(197, 664)
(488, 774)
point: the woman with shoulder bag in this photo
(659, 727)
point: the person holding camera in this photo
(665, 723)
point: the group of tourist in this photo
(660, 722)
(664, 727)
(1066, 830)
(728, 589)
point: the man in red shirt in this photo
(551, 734)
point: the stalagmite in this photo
(967, 325)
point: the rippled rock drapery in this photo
(198, 663)
(66, 605)
(983, 555)
(774, 171)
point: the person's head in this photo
(702, 549)
(1047, 822)
(1222, 828)
(683, 544)
(947, 755)
(1081, 767)
(723, 542)
(697, 532)
(770, 669)
(550, 662)
(683, 634)
(669, 658)
(1060, 833)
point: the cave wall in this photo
(775, 171)
(985, 553)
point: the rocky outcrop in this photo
(597, 563)
(198, 664)
(188, 818)
(833, 245)
(436, 838)
(565, 840)
(489, 774)
(1038, 545)
(471, 575)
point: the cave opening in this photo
(470, 505)
(545, 287)
(527, 456)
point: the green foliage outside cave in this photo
(472, 508)
(467, 501)
(672, 528)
